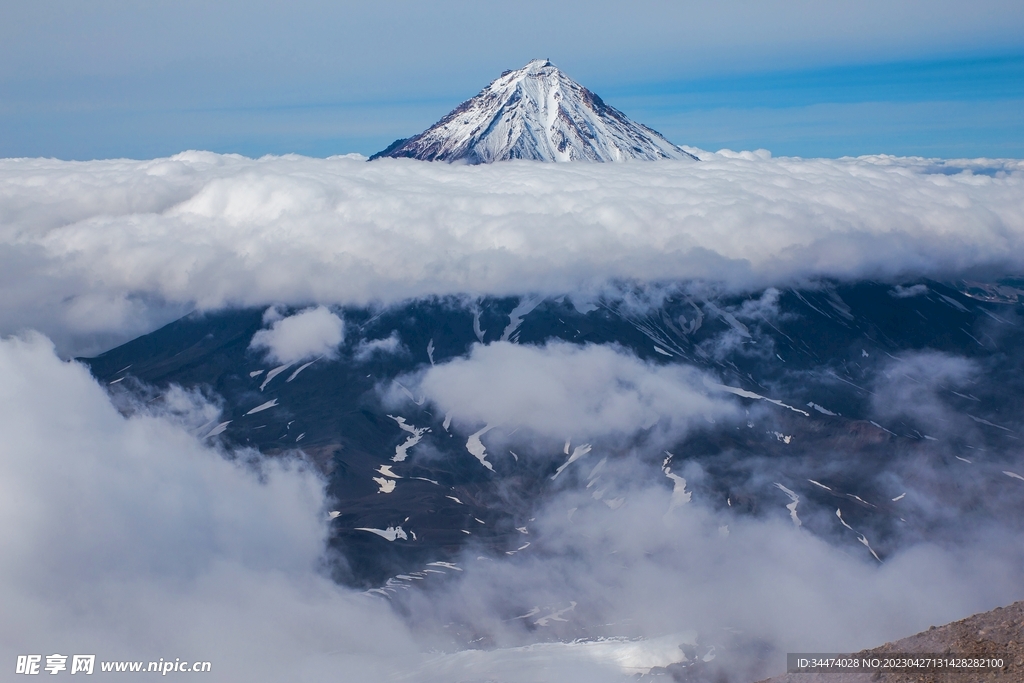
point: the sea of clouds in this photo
(93, 253)
(123, 533)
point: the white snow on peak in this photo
(274, 373)
(537, 113)
(515, 318)
(387, 481)
(577, 453)
(390, 534)
(446, 565)
(792, 506)
(219, 429)
(680, 496)
(402, 449)
(263, 406)
(864, 539)
(476, 447)
(750, 394)
(839, 514)
(822, 409)
(300, 369)
(386, 471)
(990, 424)
(555, 615)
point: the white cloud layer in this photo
(125, 535)
(311, 333)
(128, 539)
(111, 246)
(389, 345)
(563, 390)
(613, 551)
(749, 587)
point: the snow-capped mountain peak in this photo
(538, 113)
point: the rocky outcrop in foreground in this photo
(999, 632)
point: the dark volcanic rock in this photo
(844, 358)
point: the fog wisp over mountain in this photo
(411, 421)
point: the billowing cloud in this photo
(103, 243)
(740, 590)
(129, 539)
(308, 334)
(389, 345)
(617, 552)
(129, 535)
(562, 390)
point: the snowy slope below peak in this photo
(536, 113)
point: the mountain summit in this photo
(538, 113)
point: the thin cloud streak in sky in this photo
(103, 243)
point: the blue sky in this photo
(112, 78)
(966, 106)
